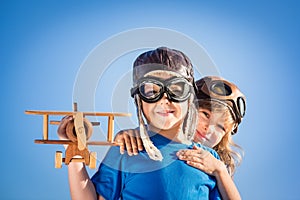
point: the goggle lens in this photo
(150, 90)
(241, 106)
(179, 89)
(221, 89)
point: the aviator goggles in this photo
(223, 91)
(153, 89)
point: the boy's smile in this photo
(165, 112)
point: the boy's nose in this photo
(165, 99)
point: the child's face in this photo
(165, 114)
(211, 127)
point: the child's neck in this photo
(175, 133)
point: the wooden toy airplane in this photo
(78, 132)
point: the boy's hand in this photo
(129, 140)
(61, 130)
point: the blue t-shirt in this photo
(139, 177)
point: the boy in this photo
(163, 92)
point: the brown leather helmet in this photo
(163, 58)
(213, 88)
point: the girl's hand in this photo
(202, 159)
(129, 140)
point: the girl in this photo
(222, 107)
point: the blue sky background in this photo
(253, 43)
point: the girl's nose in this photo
(206, 126)
(211, 129)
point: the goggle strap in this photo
(191, 120)
(235, 116)
(143, 132)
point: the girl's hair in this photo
(230, 153)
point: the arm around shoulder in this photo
(226, 186)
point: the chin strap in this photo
(152, 151)
(191, 120)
